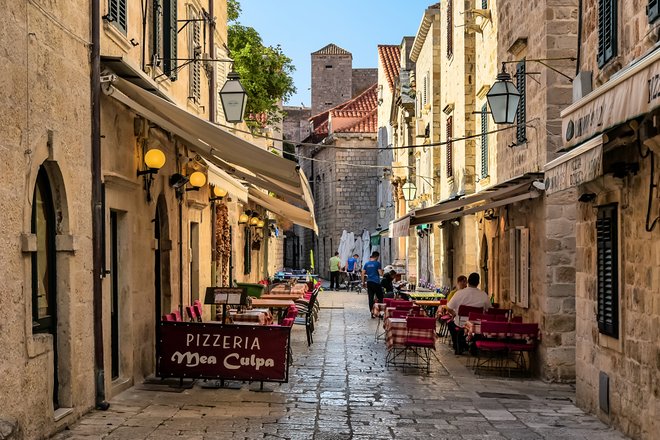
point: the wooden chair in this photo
(523, 338)
(420, 340)
(177, 315)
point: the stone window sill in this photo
(61, 413)
(117, 36)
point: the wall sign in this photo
(574, 171)
(232, 352)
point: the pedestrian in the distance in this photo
(334, 271)
(371, 273)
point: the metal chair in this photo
(420, 340)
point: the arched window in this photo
(43, 260)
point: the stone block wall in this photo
(362, 79)
(332, 81)
(295, 124)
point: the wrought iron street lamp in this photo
(409, 191)
(234, 98)
(503, 98)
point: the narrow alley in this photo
(339, 388)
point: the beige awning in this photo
(580, 165)
(237, 156)
(633, 91)
(220, 178)
(505, 193)
(297, 215)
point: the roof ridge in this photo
(331, 49)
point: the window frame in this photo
(607, 12)
(194, 68)
(119, 20)
(450, 29)
(653, 10)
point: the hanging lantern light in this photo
(409, 191)
(243, 219)
(503, 98)
(234, 98)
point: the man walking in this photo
(372, 272)
(334, 271)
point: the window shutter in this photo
(170, 39)
(450, 28)
(484, 140)
(247, 255)
(608, 270)
(607, 31)
(117, 12)
(513, 258)
(484, 4)
(521, 113)
(155, 31)
(653, 10)
(450, 155)
(194, 42)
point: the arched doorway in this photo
(162, 290)
(44, 271)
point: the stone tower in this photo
(332, 77)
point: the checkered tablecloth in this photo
(378, 309)
(473, 328)
(299, 288)
(396, 332)
(259, 316)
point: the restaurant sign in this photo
(400, 228)
(231, 352)
(634, 92)
(576, 167)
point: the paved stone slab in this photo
(339, 388)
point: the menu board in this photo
(226, 295)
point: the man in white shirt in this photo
(471, 296)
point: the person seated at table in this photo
(387, 282)
(461, 283)
(470, 296)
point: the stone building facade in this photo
(343, 171)
(46, 359)
(607, 176)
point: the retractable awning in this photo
(297, 215)
(236, 156)
(220, 178)
(511, 191)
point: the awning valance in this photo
(582, 164)
(297, 215)
(235, 156)
(511, 191)
(220, 178)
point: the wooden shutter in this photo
(607, 260)
(607, 31)
(156, 34)
(484, 140)
(194, 42)
(521, 113)
(513, 258)
(450, 147)
(247, 254)
(653, 10)
(117, 11)
(450, 28)
(170, 39)
(523, 269)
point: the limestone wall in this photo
(362, 79)
(332, 77)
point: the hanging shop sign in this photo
(230, 352)
(576, 167)
(400, 228)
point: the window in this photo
(169, 38)
(607, 262)
(521, 113)
(607, 31)
(653, 10)
(425, 92)
(484, 4)
(519, 266)
(449, 151)
(450, 28)
(157, 32)
(328, 66)
(194, 51)
(43, 260)
(484, 140)
(117, 14)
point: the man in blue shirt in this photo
(372, 271)
(350, 264)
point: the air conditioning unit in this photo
(421, 128)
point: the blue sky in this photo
(304, 26)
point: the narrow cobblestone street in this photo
(340, 389)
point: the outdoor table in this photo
(282, 296)
(300, 289)
(261, 317)
(396, 331)
(425, 295)
(276, 304)
(429, 305)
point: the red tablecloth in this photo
(258, 316)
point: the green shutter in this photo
(607, 261)
(607, 31)
(449, 146)
(170, 39)
(194, 79)
(484, 140)
(521, 113)
(450, 28)
(117, 12)
(155, 31)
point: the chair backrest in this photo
(465, 310)
(398, 313)
(288, 322)
(517, 318)
(493, 311)
(292, 312)
(528, 332)
(177, 315)
(168, 317)
(443, 302)
(388, 302)
(422, 323)
(473, 316)
(192, 316)
(495, 329)
(401, 305)
(415, 311)
(197, 308)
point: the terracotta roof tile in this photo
(331, 49)
(390, 58)
(358, 115)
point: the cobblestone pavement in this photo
(340, 389)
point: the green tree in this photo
(265, 70)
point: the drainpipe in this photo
(97, 207)
(579, 38)
(181, 255)
(212, 87)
